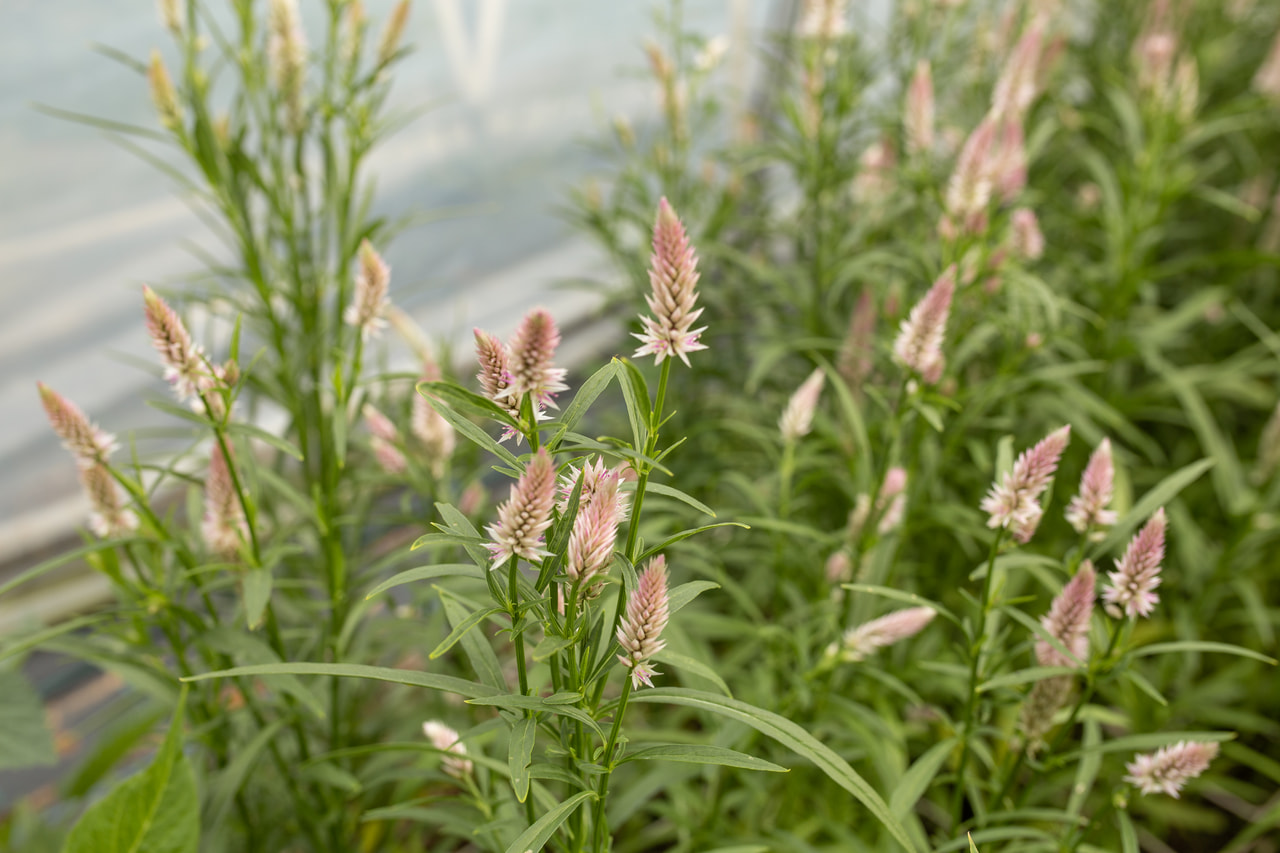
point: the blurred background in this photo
(511, 94)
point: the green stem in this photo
(601, 826)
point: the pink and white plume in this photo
(918, 114)
(526, 514)
(919, 343)
(385, 440)
(88, 444)
(454, 760)
(369, 302)
(1068, 620)
(108, 515)
(673, 274)
(797, 418)
(185, 365)
(495, 375)
(1013, 502)
(969, 188)
(531, 351)
(1167, 769)
(861, 642)
(1087, 512)
(641, 628)
(1025, 238)
(1132, 586)
(223, 527)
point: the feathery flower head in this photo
(595, 528)
(1009, 161)
(874, 181)
(287, 55)
(1088, 509)
(797, 418)
(892, 503)
(224, 526)
(969, 188)
(1013, 501)
(1266, 81)
(861, 642)
(163, 94)
(918, 115)
(454, 761)
(1169, 768)
(1016, 87)
(394, 31)
(673, 273)
(1184, 98)
(527, 513)
(87, 443)
(185, 366)
(369, 302)
(171, 15)
(1025, 238)
(823, 19)
(1046, 697)
(1132, 585)
(641, 627)
(857, 353)
(531, 351)
(838, 568)
(495, 375)
(385, 440)
(919, 343)
(600, 484)
(108, 516)
(1068, 620)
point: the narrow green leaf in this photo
(636, 395)
(155, 811)
(535, 837)
(1140, 682)
(587, 394)
(550, 645)
(792, 736)
(668, 492)
(1025, 676)
(461, 525)
(1128, 835)
(464, 402)
(702, 754)
(1165, 491)
(478, 650)
(474, 434)
(685, 593)
(255, 589)
(516, 702)
(422, 573)
(685, 534)
(692, 666)
(445, 683)
(462, 627)
(1087, 769)
(229, 781)
(62, 559)
(1201, 646)
(241, 428)
(1138, 743)
(520, 755)
(916, 780)
(25, 740)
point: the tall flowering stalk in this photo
(531, 353)
(369, 302)
(969, 189)
(287, 52)
(1088, 512)
(1131, 587)
(185, 366)
(673, 275)
(88, 444)
(526, 514)
(641, 629)
(918, 115)
(1167, 769)
(163, 95)
(919, 343)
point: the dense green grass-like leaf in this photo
(702, 754)
(537, 835)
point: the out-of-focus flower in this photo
(673, 274)
(527, 513)
(224, 526)
(394, 31)
(385, 440)
(435, 433)
(1015, 89)
(712, 53)
(1167, 769)
(823, 19)
(369, 301)
(495, 376)
(1132, 585)
(163, 94)
(797, 419)
(892, 503)
(918, 115)
(170, 15)
(874, 182)
(640, 630)
(1026, 240)
(108, 516)
(287, 56)
(838, 568)
(857, 352)
(185, 366)
(919, 343)
(969, 188)
(861, 642)
(1088, 509)
(1068, 620)
(1013, 502)
(1009, 162)
(531, 352)
(88, 444)
(1266, 81)
(599, 483)
(454, 760)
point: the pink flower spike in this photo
(861, 642)
(531, 351)
(892, 503)
(1088, 509)
(1169, 768)
(1013, 501)
(857, 352)
(87, 443)
(495, 375)
(673, 273)
(918, 115)
(1068, 620)
(108, 516)
(1026, 240)
(919, 343)
(797, 418)
(454, 761)
(969, 189)
(385, 441)
(647, 614)
(185, 367)
(369, 302)
(527, 513)
(1133, 583)
(224, 527)
(1015, 89)
(600, 483)
(591, 542)
(1009, 162)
